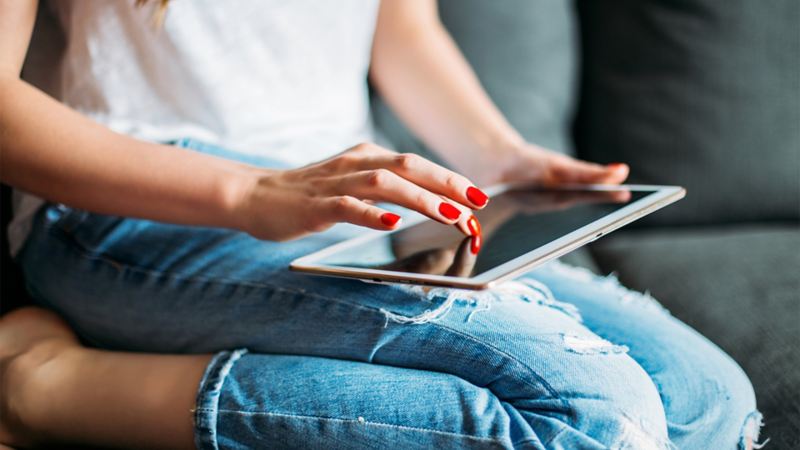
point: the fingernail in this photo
(473, 226)
(475, 244)
(390, 219)
(449, 211)
(476, 196)
(616, 165)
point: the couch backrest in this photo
(701, 93)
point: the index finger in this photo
(432, 177)
(464, 260)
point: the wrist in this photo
(509, 144)
(238, 189)
(497, 156)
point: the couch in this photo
(700, 93)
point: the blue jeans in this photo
(558, 358)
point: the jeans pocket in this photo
(89, 231)
(62, 217)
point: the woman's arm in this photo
(54, 152)
(423, 76)
(49, 150)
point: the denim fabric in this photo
(558, 358)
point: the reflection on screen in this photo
(514, 223)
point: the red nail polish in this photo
(476, 196)
(475, 244)
(449, 211)
(390, 219)
(474, 226)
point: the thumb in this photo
(570, 170)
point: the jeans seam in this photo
(208, 397)
(555, 436)
(525, 441)
(363, 422)
(85, 253)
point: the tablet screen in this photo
(514, 223)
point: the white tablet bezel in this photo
(662, 196)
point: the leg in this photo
(55, 391)
(708, 399)
(182, 289)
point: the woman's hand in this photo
(531, 163)
(534, 163)
(283, 205)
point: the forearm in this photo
(54, 152)
(422, 75)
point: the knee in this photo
(614, 404)
(739, 399)
(709, 399)
(632, 413)
(729, 406)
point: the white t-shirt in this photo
(284, 79)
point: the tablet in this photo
(522, 227)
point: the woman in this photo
(561, 360)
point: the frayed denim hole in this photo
(584, 345)
(751, 429)
(608, 283)
(545, 297)
(635, 436)
(444, 298)
(527, 290)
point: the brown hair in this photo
(160, 12)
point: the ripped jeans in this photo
(558, 358)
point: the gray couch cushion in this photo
(524, 53)
(739, 286)
(702, 93)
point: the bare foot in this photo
(29, 338)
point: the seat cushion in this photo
(700, 93)
(525, 54)
(740, 287)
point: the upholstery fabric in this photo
(739, 286)
(700, 93)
